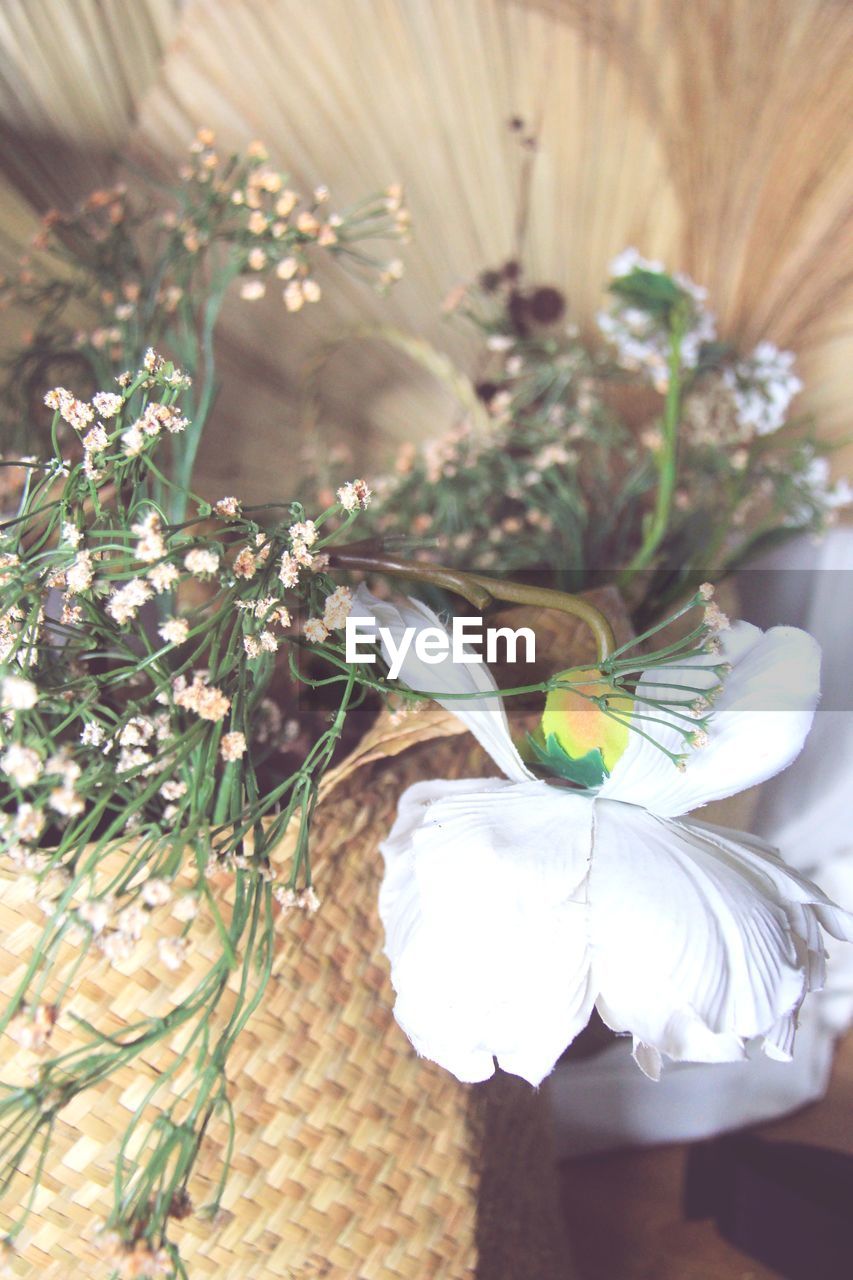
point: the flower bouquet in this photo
(199, 1036)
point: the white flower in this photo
(630, 259)
(252, 290)
(512, 907)
(133, 440)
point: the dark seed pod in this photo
(546, 305)
(490, 281)
(486, 391)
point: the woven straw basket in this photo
(353, 1157)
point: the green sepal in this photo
(587, 771)
(651, 291)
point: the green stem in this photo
(667, 460)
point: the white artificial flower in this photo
(513, 906)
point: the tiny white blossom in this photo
(314, 631)
(66, 801)
(133, 440)
(337, 609)
(22, 764)
(138, 731)
(293, 296)
(18, 694)
(185, 907)
(156, 891)
(63, 764)
(354, 495)
(151, 544)
(81, 573)
(163, 576)
(175, 630)
(29, 822)
(125, 601)
(201, 561)
(107, 404)
(97, 912)
(228, 508)
(305, 531)
(172, 951)
(232, 745)
(289, 572)
(173, 790)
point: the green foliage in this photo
(651, 291)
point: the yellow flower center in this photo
(591, 715)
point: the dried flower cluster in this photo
(563, 472)
(122, 273)
(136, 656)
(142, 755)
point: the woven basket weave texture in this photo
(353, 1159)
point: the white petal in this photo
(484, 717)
(806, 902)
(757, 727)
(648, 1059)
(483, 905)
(779, 1040)
(696, 947)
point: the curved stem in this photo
(478, 589)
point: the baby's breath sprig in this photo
(123, 273)
(142, 764)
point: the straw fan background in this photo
(713, 135)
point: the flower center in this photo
(584, 727)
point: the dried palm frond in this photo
(713, 136)
(72, 75)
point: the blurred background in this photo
(713, 135)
